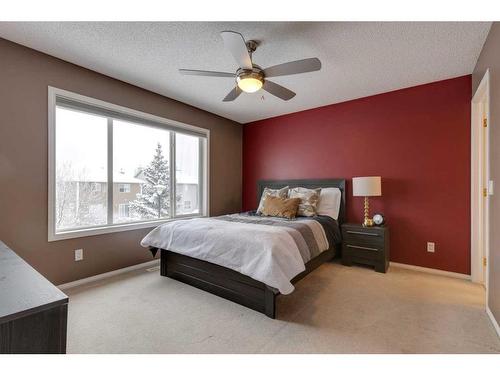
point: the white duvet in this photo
(265, 253)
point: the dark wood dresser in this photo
(365, 245)
(33, 312)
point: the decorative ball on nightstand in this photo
(378, 219)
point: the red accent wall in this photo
(417, 139)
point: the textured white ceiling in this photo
(359, 59)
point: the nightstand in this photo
(365, 245)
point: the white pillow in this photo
(329, 202)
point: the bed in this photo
(202, 265)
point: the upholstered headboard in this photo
(310, 184)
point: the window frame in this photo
(150, 120)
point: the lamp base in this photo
(368, 222)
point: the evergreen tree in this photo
(154, 200)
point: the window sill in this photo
(94, 231)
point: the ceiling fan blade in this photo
(293, 67)
(233, 94)
(205, 73)
(235, 43)
(278, 90)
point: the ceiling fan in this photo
(250, 77)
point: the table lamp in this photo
(366, 187)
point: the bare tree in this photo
(79, 201)
(65, 191)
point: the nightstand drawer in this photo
(361, 237)
(364, 251)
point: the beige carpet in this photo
(335, 309)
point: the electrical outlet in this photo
(430, 247)
(78, 255)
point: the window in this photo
(113, 168)
(80, 163)
(187, 161)
(123, 210)
(124, 188)
(149, 171)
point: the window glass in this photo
(124, 188)
(81, 170)
(123, 210)
(141, 172)
(187, 174)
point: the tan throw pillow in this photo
(280, 207)
(282, 193)
(309, 199)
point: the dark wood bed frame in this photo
(233, 285)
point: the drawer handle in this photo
(363, 233)
(363, 247)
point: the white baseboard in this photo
(155, 262)
(493, 320)
(456, 275)
(105, 275)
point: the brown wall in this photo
(24, 77)
(490, 59)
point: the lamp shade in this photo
(366, 186)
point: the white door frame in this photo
(480, 174)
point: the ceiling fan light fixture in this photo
(249, 82)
